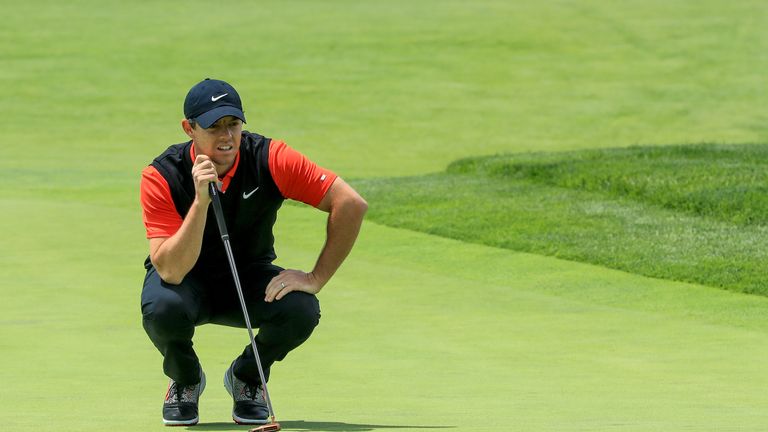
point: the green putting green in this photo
(419, 332)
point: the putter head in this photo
(271, 427)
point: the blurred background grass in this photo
(410, 85)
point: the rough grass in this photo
(725, 182)
(693, 213)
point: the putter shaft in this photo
(225, 239)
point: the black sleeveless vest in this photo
(250, 206)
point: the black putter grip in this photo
(214, 192)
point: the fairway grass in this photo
(387, 88)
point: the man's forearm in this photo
(176, 256)
(344, 221)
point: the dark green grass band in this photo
(693, 213)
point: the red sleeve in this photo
(296, 176)
(160, 216)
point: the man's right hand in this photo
(203, 172)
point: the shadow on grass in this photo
(319, 426)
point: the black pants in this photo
(171, 313)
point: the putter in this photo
(273, 426)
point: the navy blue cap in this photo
(211, 99)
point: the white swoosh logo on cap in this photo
(215, 98)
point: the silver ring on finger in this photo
(282, 284)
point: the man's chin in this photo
(223, 164)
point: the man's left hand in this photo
(291, 280)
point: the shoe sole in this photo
(181, 422)
(239, 420)
(195, 420)
(242, 421)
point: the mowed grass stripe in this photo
(682, 213)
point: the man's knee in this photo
(166, 316)
(303, 311)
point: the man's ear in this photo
(188, 128)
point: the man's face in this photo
(220, 142)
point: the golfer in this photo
(188, 281)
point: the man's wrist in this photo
(201, 202)
(317, 280)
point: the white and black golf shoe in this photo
(249, 406)
(180, 405)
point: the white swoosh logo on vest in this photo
(248, 195)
